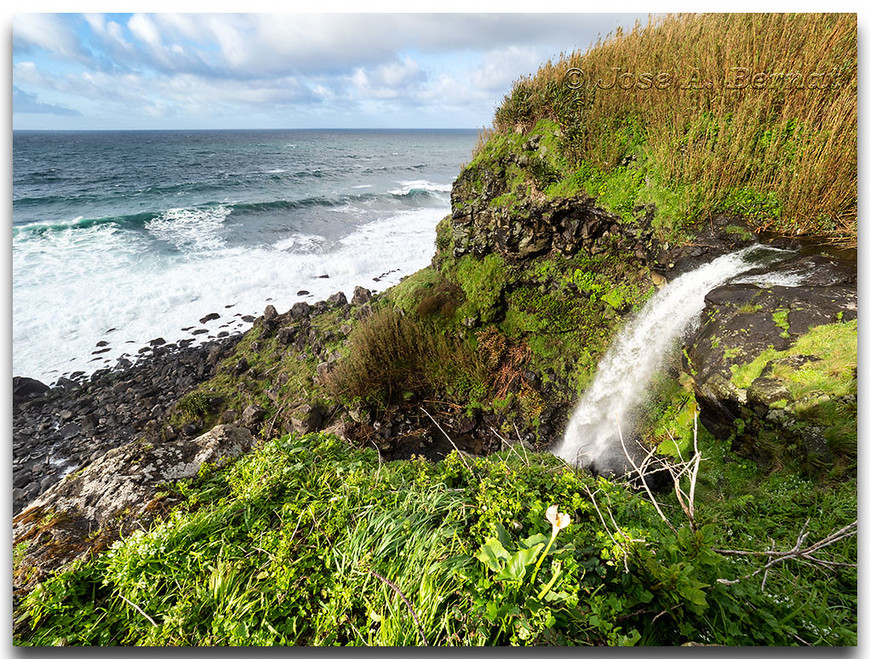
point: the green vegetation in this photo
(309, 542)
(832, 373)
(819, 374)
(763, 127)
(390, 356)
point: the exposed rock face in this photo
(534, 224)
(745, 325)
(64, 428)
(532, 227)
(91, 507)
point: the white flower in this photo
(557, 519)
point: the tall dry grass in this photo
(710, 127)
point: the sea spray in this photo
(592, 437)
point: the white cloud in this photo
(142, 27)
(47, 32)
(209, 65)
(504, 65)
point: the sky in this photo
(281, 70)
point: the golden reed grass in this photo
(719, 103)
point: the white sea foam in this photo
(198, 229)
(301, 243)
(408, 187)
(76, 287)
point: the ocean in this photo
(120, 238)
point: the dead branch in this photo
(643, 480)
(805, 554)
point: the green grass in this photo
(296, 542)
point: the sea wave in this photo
(412, 191)
(191, 230)
(108, 291)
(420, 187)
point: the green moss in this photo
(614, 297)
(742, 375)
(407, 294)
(504, 201)
(482, 281)
(570, 186)
(836, 348)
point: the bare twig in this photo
(380, 458)
(149, 618)
(643, 480)
(795, 553)
(522, 443)
(598, 510)
(405, 600)
(511, 446)
(438, 425)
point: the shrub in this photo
(390, 354)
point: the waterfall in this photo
(591, 439)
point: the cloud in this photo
(502, 66)
(203, 66)
(398, 79)
(48, 32)
(25, 103)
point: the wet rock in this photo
(209, 317)
(87, 416)
(26, 388)
(744, 381)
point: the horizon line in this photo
(126, 130)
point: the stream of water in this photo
(609, 404)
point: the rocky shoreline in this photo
(58, 430)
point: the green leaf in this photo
(531, 541)
(492, 554)
(515, 570)
(504, 537)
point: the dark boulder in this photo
(360, 296)
(26, 388)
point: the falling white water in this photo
(592, 436)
